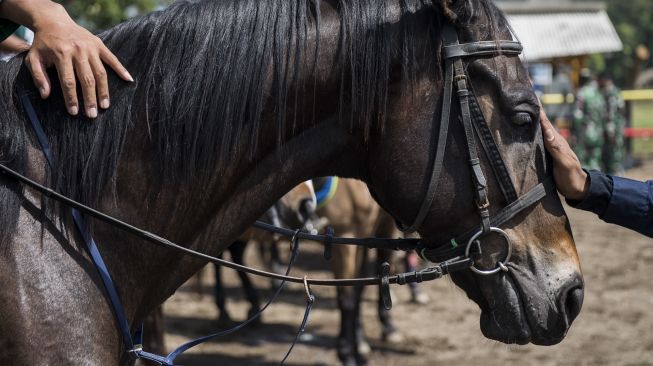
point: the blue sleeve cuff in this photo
(599, 193)
(631, 205)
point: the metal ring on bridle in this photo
(501, 265)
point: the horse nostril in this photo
(573, 302)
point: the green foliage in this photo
(101, 14)
(633, 20)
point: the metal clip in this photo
(384, 286)
(483, 205)
(310, 298)
(133, 353)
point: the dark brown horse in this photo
(236, 102)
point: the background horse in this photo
(235, 103)
(292, 210)
(352, 212)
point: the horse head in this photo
(539, 292)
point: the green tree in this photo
(633, 20)
(101, 14)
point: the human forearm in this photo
(13, 44)
(34, 14)
(631, 205)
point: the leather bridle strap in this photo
(478, 178)
(455, 246)
(492, 152)
(481, 48)
(438, 160)
(155, 239)
(404, 244)
(453, 53)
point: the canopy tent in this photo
(561, 29)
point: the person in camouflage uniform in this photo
(588, 124)
(614, 125)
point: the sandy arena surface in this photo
(615, 326)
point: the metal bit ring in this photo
(501, 265)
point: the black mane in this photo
(205, 71)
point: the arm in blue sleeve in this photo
(631, 205)
(620, 201)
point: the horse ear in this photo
(457, 11)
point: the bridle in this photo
(473, 123)
(448, 258)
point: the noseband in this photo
(450, 257)
(474, 124)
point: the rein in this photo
(450, 257)
(133, 345)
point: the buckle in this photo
(133, 353)
(483, 205)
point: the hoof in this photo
(364, 348)
(361, 360)
(393, 337)
(225, 321)
(256, 322)
(419, 297)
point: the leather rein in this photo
(447, 258)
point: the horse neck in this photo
(235, 196)
(225, 205)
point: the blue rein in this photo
(82, 228)
(133, 345)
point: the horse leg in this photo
(344, 265)
(197, 283)
(416, 294)
(363, 348)
(389, 332)
(237, 251)
(220, 298)
(153, 332)
(276, 265)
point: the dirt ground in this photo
(615, 326)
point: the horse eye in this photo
(521, 119)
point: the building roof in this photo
(561, 29)
(551, 6)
